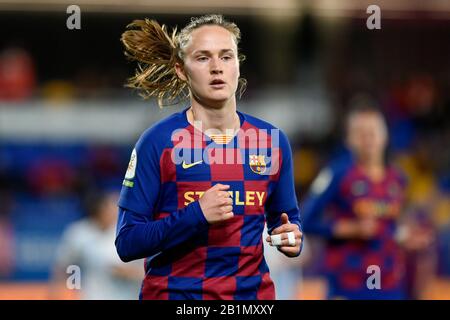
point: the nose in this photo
(216, 66)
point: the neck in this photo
(219, 117)
(374, 168)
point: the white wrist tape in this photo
(276, 239)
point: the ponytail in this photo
(156, 52)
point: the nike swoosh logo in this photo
(187, 166)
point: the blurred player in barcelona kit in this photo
(202, 183)
(356, 205)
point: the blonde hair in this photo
(157, 51)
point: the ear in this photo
(179, 68)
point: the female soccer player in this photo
(355, 204)
(201, 183)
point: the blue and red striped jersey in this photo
(343, 191)
(160, 219)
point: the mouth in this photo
(217, 84)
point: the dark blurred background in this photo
(68, 125)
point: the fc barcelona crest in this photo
(257, 163)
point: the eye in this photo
(226, 58)
(202, 58)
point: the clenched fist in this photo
(217, 204)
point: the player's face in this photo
(367, 135)
(211, 65)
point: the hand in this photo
(217, 204)
(368, 228)
(286, 227)
(414, 237)
(356, 229)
